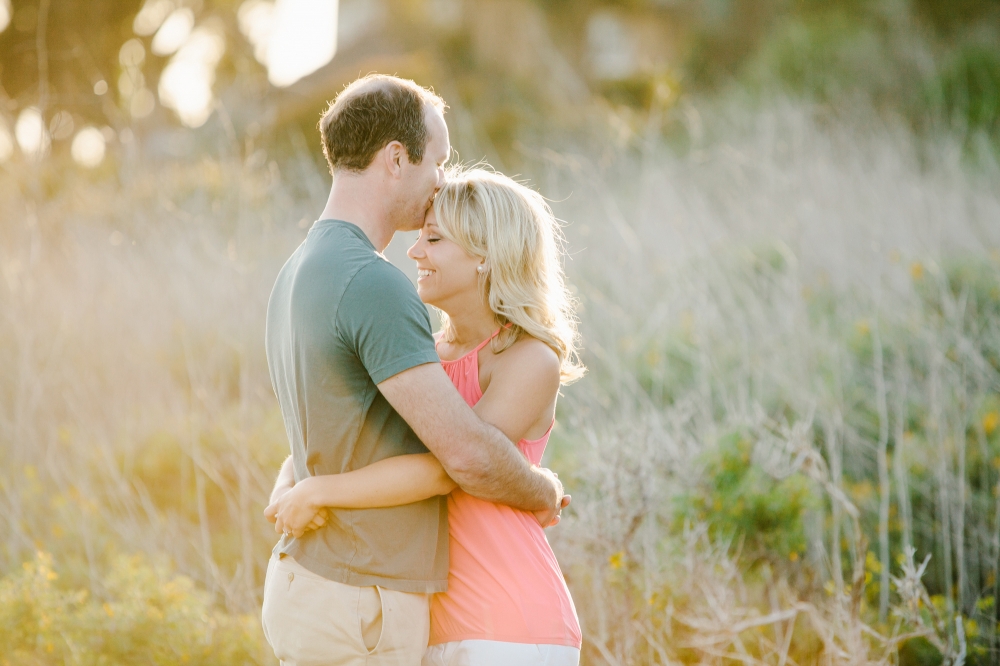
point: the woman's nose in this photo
(413, 252)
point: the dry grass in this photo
(790, 282)
(828, 289)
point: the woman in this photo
(488, 257)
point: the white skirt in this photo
(498, 653)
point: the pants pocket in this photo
(370, 616)
(405, 629)
(310, 621)
(264, 609)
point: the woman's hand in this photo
(295, 511)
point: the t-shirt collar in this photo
(350, 226)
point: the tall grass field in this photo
(786, 450)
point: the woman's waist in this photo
(539, 585)
(502, 567)
(529, 612)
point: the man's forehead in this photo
(438, 129)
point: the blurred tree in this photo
(54, 53)
(954, 15)
(517, 71)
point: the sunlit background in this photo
(782, 226)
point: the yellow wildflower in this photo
(990, 422)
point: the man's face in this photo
(421, 182)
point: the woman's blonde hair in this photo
(511, 226)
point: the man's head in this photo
(393, 130)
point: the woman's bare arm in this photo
(285, 480)
(520, 399)
(388, 482)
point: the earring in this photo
(480, 268)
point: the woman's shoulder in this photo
(528, 346)
(530, 358)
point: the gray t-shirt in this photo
(342, 319)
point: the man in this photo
(353, 364)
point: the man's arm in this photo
(478, 456)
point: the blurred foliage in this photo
(740, 502)
(531, 71)
(968, 86)
(919, 652)
(135, 407)
(139, 613)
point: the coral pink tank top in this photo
(504, 583)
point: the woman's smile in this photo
(445, 272)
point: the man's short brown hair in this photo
(369, 114)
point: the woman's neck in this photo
(470, 325)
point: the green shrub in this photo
(968, 87)
(144, 615)
(737, 499)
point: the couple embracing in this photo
(412, 506)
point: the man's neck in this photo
(356, 198)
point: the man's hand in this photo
(550, 517)
(294, 512)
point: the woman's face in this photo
(445, 273)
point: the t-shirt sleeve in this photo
(384, 322)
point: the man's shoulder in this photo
(332, 260)
(339, 245)
(380, 277)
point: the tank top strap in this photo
(485, 342)
(490, 339)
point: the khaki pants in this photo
(312, 621)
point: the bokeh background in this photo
(783, 229)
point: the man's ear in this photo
(394, 153)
